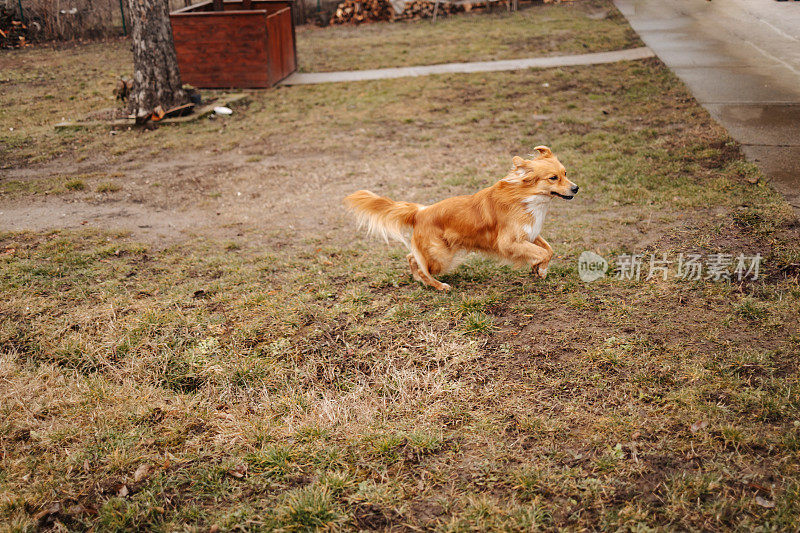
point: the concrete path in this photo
(741, 60)
(481, 66)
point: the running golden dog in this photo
(503, 220)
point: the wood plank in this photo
(273, 49)
(271, 6)
(287, 37)
(225, 100)
(281, 44)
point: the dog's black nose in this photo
(574, 189)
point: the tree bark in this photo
(156, 78)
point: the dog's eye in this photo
(553, 178)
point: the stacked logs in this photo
(422, 10)
(360, 11)
(12, 32)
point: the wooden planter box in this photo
(235, 43)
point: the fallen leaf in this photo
(763, 502)
(141, 473)
(752, 179)
(76, 510)
(697, 426)
(52, 509)
(123, 492)
(237, 471)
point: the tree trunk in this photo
(156, 79)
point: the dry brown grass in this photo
(276, 370)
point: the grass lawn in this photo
(539, 30)
(194, 334)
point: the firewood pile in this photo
(358, 11)
(361, 11)
(13, 33)
(420, 9)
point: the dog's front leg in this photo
(541, 268)
(525, 252)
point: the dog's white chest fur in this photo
(537, 206)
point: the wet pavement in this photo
(741, 60)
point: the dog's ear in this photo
(544, 152)
(516, 173)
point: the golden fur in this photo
(503, 220)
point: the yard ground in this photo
(194, 333)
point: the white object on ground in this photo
(222, 110)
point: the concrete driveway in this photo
(741, 60)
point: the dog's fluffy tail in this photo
(383, 216)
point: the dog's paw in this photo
(445, 287)
(542, 271)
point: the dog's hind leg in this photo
(431, 258)
(415, 272)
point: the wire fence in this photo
(74, 19)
